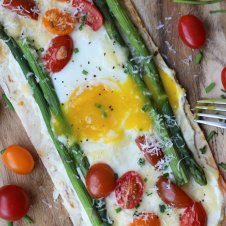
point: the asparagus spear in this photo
(151, 77)
(64, 153)
(51, 96)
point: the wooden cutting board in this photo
(160, 18)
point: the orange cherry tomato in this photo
(100, 180)
(223, 78)
(152, 153)
(171, 194)
(146, 219)
(18, 159)
(194, 215)
(58, 22)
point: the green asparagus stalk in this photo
(152, 80)
(176, 165)
(64, 153)
(75, 149)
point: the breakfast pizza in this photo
(107, 115)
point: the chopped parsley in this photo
(75, 50)
(222, 165)
(118, 210)
(104, 114)
(210, 87)
(137, 206)
(198, 58)
(41, 50)
(98, 105)
(223, 96)
(141, 161)
(84, 72)
(145, 179)
(145, 107)
(162, 208)
(83, 22)
(149, 193)
(166, 175)
(203, 149)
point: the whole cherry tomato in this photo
(194, 215)
(94, 18)
(18, 159)
(171, 194)
(146, 219)
(14, 203)
(151, 152)
(59, 53)
(191, 31)
(26, 8)
(223, 77)
(100, 180)
(129, 190)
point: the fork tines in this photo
(212, 107)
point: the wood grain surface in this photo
(160, 18)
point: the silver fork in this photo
(205, 106)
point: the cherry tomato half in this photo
(14, 203)
(100, 180)
(59, 53)
(26, 8)
(58, 22)
(171, 194)
(191, 31)
(146, 219)
(194, 215)
(18, 159)
(129, 190)
(94, 18)
(151, 153)
(223, 78)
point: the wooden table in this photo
(160, 18)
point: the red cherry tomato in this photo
(146, 219)
(191, 31)
(129, 190)
(223, 77)
(26, 8)
(152, 153)
(100, 180)
(171, 194)
(194, 215)
(94, 18)
(59, 53)
(14, 203)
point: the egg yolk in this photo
(105, 111)
(172, 89)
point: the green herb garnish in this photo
(190, 2)
(222, 165)
(84, 72)
(218, 11)
(145, 179)
(104, 114)
(83, 22)
(211, 135)
(203, 149)
(75, 50)
(223, 96)
(210, 87)
(198, 58)
(149, 193)
(162, 208)
(117, 210)
(141, 161)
